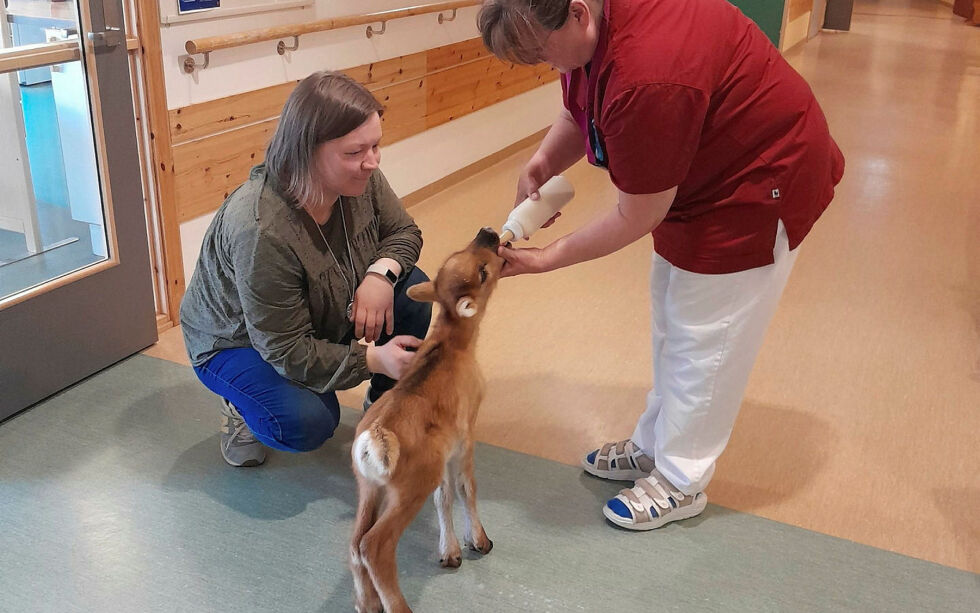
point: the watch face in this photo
(391, 276)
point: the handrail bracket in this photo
(281, 47)
(372, 32)
(190, 64)
(444, 19)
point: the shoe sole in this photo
(249, 463)
(245, 464)
(692, 510)
(614, 475)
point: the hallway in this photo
(861, 416)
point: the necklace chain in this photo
(349, 283)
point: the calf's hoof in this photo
(451, 561)
(483, 545)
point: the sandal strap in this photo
(623, 451)
(640, 511)
(659, 491)
(655, 492)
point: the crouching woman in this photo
(311, 254)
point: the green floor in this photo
(113, 497)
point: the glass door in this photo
(75, 279)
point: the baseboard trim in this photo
(164, 323)
(466, 172)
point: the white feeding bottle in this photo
(528, 217)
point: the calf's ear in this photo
(422, 292)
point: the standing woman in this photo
(718, 147)
(312, 253)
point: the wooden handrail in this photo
(25, 57)
(41, 54)
(214, 43)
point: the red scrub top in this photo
(691, 93)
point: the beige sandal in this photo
(651, 503)
(622, 461)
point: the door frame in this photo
(160, 189)
(63, 331)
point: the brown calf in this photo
(419, 436)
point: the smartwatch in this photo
(379, 268)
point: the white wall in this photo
(256, 66)
(409, 164)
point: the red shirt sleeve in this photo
(651, 133)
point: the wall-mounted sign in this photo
(183, 11)
(190, 6)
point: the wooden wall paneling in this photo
(512, 81)
(452, 91)
(404, 109)
(447, 56)
(217, 142)
(207, 170)
(207, 118)
(457, 92)
(387, 72)
(526, 80)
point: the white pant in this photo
(707, 331)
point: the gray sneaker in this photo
(238, 444)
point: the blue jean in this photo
(283, 414)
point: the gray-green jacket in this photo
(265, 280)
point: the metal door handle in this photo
(111, 37)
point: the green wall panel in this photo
(768, 14)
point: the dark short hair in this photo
(323, 106)
(512, 29)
